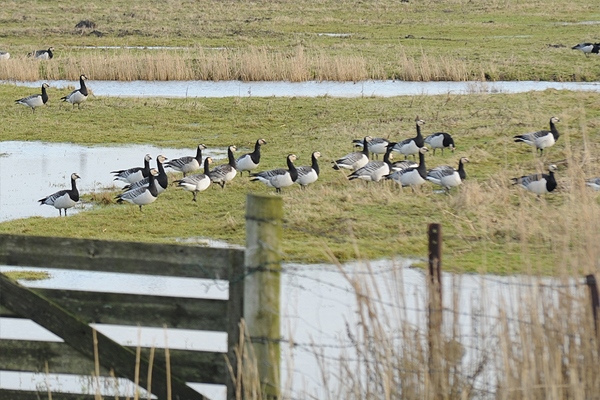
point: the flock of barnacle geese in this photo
(145, 184)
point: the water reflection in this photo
(49, 167)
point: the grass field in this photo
(300, 40)
(489, 225)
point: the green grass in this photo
(488, 225)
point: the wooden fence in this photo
(253, 288)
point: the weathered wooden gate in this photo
(68, 313)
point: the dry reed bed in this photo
(253, 64)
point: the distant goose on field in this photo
(541, 139)
(35, 100)
(594, 183)
(187, 164)
(134, 174)
(448, 177)
(63, 199)
(197, 182)
(279, 178)
(309, 173)
(440, 140)
(140, 196)
(587, 48)
(376, 145)
(42, 54)
(77, 96)
(374, 170)
(538, 183)
(414, 176)
(4, 55)
(161, 180)
(411, 146)
(356, 160)
(224, 173)
(250, 161)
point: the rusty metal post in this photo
(435, 309)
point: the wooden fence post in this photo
(264, 216)
(590, 280)
(435, 309)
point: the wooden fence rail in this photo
(69, 313)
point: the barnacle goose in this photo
(541, 139)
(250, 161)
(440, 140)
(161, 180)
(309, 173)
(356, 160)
(414, 176)
(63, 199)
(140, 196)
(538, 183)
(587, 48)
(225, 172)
(4, 55)
(187, 163)
(594, 183)
(376, 145)
(404, 164)
(42, 54)
(77, 96)
(134, 174)
(411, 146)
(374, 170)
(197, 182)
(279, 178)
(35, 100)
(448, 177)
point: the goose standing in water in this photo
(250, 161)
(225, 172)
(541, 139)
(161, 180)
(279, 178)
(538, 183)
(134, 174)
(77, 96)
(411, 146)
(187, 164)
(35, 100)
(140, 196)
(448, 177)
(309, 173)
(414, 176)
(198, 182)
(63, 199)
(356, 160)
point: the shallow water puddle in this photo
(32, 170)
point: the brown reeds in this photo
(250, 64)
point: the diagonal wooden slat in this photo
(79, 336)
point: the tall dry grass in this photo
(251, 64)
